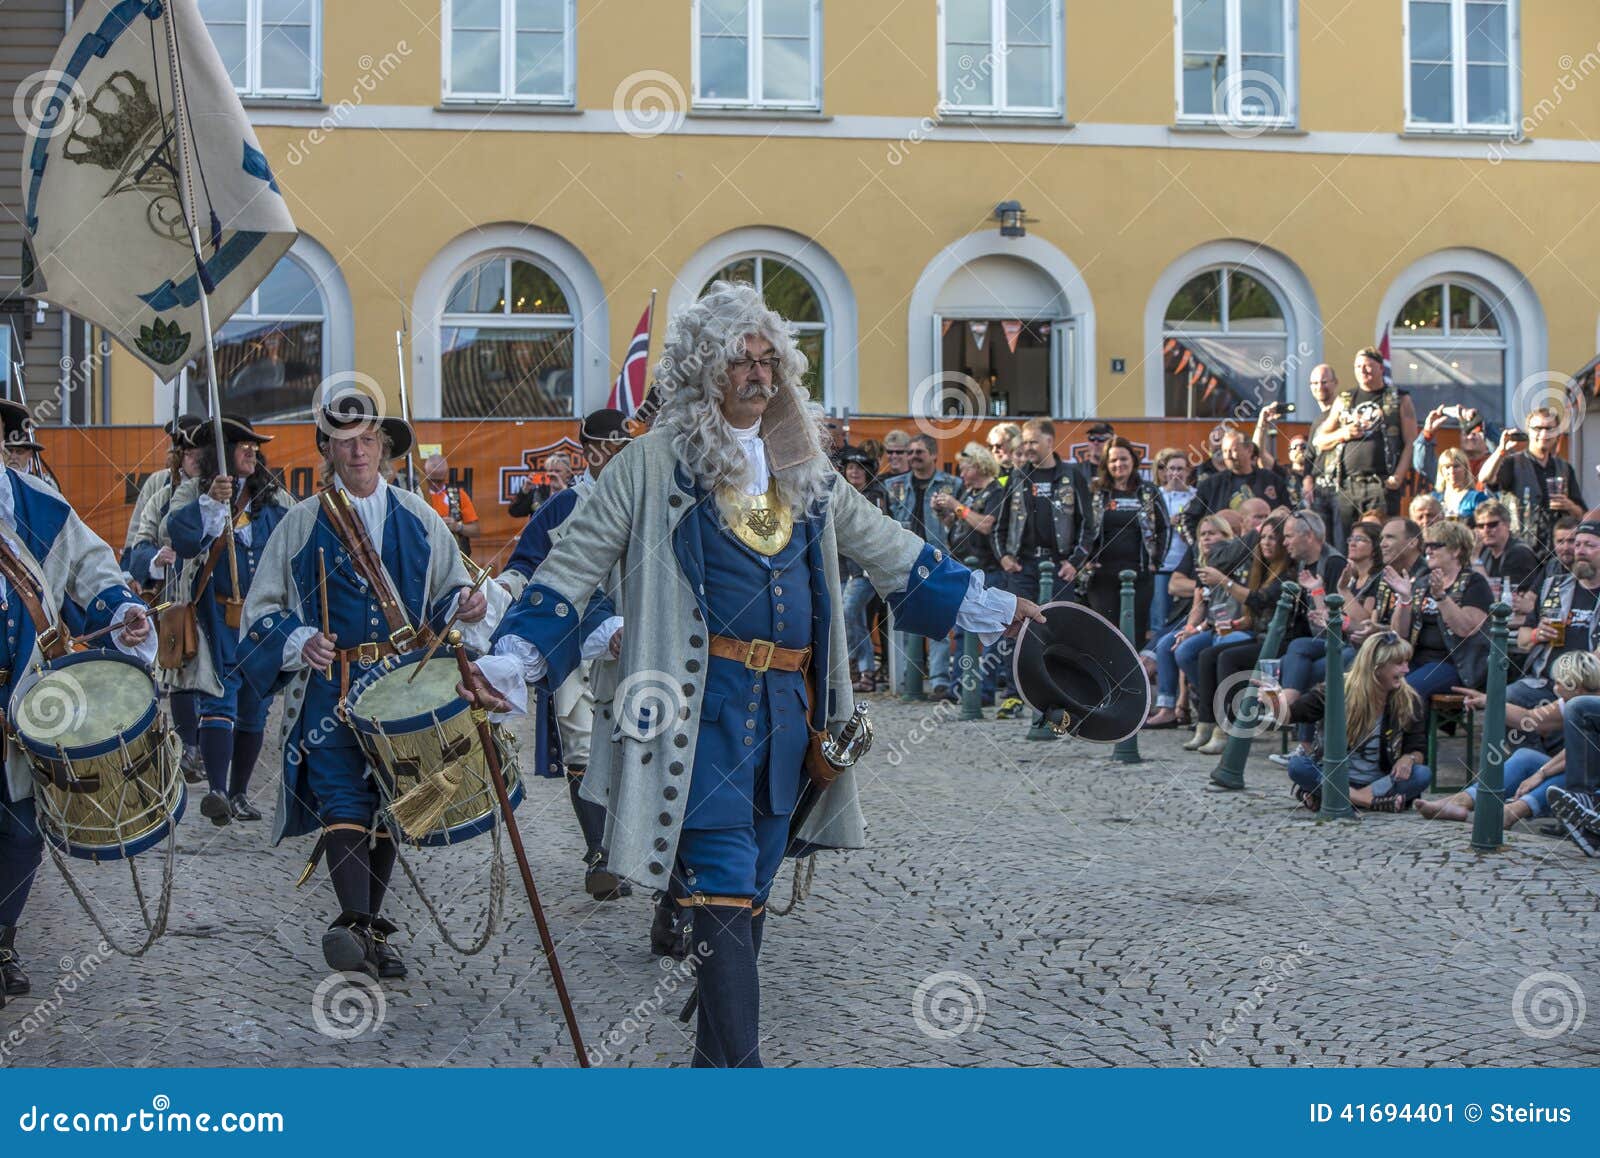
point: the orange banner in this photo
(101, 468)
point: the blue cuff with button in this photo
(549, 621)
(259, 657)
(933, 593)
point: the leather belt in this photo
(760, 654)
(365, 654)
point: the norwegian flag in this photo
(1383, 348)
(627, 395)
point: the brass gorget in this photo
(762, 523)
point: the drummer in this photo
(326, 784)
(150, 559)
(47, 557)
(233, 719)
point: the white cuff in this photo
(599, 641)
(213, 516)
(985, 610)
(534, 667)
(158, 570)
(145, 651)
(292, 659)
(504, 673)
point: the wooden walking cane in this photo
(491, 754)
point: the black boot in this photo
(13, 981)
(729, 1032)
(670, 930)
(347, 946)
(246, 751)
(216, 746)
(598, 880)
(389, 962)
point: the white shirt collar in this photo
(372, 509)
(755, 456)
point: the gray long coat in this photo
(630, 517)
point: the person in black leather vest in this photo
(1372, 429)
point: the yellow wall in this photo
(385, 202)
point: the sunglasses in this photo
(1389, 638)
(1435, 546)
(1486, 526)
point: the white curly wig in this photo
(692, 380)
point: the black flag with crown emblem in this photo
(106, 237)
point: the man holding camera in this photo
(1372, 428)
(1536, 483)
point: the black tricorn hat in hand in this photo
(1082, 673)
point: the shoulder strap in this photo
(347, 525)
(27, 588)
(212, 557)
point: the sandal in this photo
(1393, 802)
(865, 684)
(1310, 798)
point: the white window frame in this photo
(1458, 73)
(997, 24)
(1501, 342)
(755, 61)
(252, 88)
(507, 93)
(1235, 41)
(506, 320)
(825, 327)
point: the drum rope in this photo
(493, 910)
(154, 929)
(798, 890)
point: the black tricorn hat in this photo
(1082, 673)
(350, 411)
(14, 416)
(608, 425)
(235, 429)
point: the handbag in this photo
(178, 627)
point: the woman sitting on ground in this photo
(1529, 772)
(1235, 639)
(1160, 658)
(1456, 487)
(1304, 660)
(1443, 613)
(1384, 734)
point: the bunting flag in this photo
(106, 236)
(1013, 330)
(944, 327)
(979, 331)
(627, 393)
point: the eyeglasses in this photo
(1541, 430)
(893, 453)
(1488, 525)
(744, 365)
(1100, 438)
(1434, 546)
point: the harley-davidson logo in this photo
(534, 469)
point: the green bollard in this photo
(1047, 591)
(1127, 751)
(916, 650)
(1335, 749)
(1488, 816)
(972, 677)
(1229, 772)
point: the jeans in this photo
(909, 647)
(1160, 604)
(1307, 773)
(1432, 678)
(1518, 767)
(1299, 661)
(1581, 727)
(857, 594)
(1188, 652)
(1166, 670)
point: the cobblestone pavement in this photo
(1023, 904)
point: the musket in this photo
(405, 399)
(491, 754)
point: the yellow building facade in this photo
(1260, 184)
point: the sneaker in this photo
(1567, 807)
(1010, 708)
(1280, 759)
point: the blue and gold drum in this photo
(421, 739)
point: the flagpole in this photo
(180, 105)
(405, 400)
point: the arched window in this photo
(1447, 344)
(790, 291)
(273, 352)
(1225, 345)
(506, 343)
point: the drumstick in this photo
(322, 586)
(440, 638)
(149, 613)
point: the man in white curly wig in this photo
(728, 521)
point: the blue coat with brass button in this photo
(647, 514)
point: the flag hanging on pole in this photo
(103, 210)
(1383, 348)
(627, 393)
